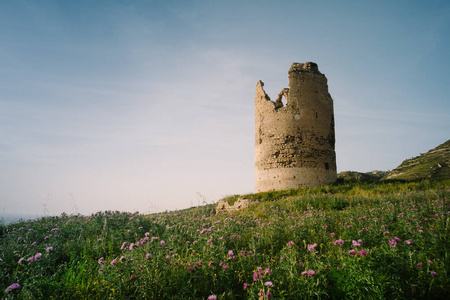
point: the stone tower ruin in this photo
(294, 143)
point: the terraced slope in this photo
(434, 165)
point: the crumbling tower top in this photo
(304, 67)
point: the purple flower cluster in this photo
(12, 287)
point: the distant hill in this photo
(433, 165)
(353, 176)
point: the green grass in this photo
(269, 242)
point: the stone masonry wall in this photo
(294, 143)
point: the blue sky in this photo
(148, 105)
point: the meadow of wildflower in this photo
(371, 241)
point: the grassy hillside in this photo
(352, 176)
(376, 240)
(433, 165)
(347, 190)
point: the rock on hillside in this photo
(434, 165)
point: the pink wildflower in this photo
(291, 243)
(212, 297)
(162, 243)
(339, 242)
(356, 243)
(351, 252)
(268, 283)
(363, 253)
(100, 261)
(113, 262)
(408, 241)
(255, 276)
(308, 273)
(392, 242)
(245, 285)
(311, 247)
(432, 273)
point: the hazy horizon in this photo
(149, 105)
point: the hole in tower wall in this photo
(284, 100)
(327, 166)
(317, 114)
(281, 100)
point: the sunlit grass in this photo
(375, 241)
